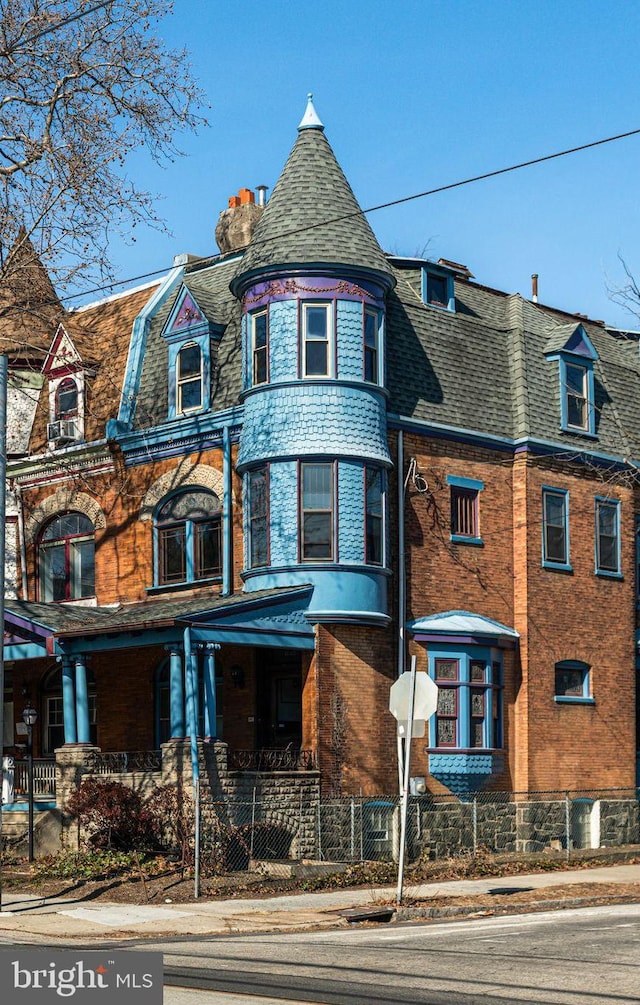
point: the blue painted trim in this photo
(562, 699)
(375, 390)
(248, 574)
(138, 345)
(615, 505)
(203, 342)
(460, 434)
(210, 707)
(81, 702)
(565, 359)
(464, 654)
(191, 693)
(176, 694)
(24, 651)
(547, 563)
(227, 528)
(442, 273)
(461, 539)
(39, 806)
(465, 483)
(179, 429)
(68, 702)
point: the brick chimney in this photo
(237, 223)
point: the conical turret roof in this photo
(312, 217)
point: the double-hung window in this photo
(260, 347)
(66, 402)
(607, 537)
(577, 396)
(189, 378)
(374, 516)
(258, 488)
(555, 529)
(317, 512)
(316, 340)
(371, 348)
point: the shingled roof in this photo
(312, 217)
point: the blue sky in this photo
(415, 94)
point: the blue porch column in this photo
(82, 700)
(210, 706)
(176, 694)
(68, 701)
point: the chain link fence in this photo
(264, 836)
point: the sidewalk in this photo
(26, 915)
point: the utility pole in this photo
(3, 508)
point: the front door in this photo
(279, 698)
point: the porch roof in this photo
(274, 617)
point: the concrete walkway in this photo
(53, 919)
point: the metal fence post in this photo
(567, 824)
(352, 821)
(253, 818)
(319, 833)
(475, 823)
(361, 829)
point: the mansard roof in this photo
(485, 368)
(312, 217)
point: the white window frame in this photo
(327, 307)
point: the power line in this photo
(383, 205)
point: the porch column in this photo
(191, 690)
(68, 701)
(82, 700)
(210, 706)
(176, 694)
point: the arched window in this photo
(188, 537)
(66, 558)
(66, 399)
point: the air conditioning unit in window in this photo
(62, 431)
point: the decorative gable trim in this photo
(187, 320)
(572, 339)
(63, 357)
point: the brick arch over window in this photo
(183, 476)
(63, 501)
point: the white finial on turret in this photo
(310, 118)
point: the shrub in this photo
(112, 816)
(172, 822)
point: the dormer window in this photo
(575, 354)
(190, 337)
(66, 373)
(189, 378)
(66, 399)
(437, 288)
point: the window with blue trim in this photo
(371, 346)
(188, 538)
(576, 355)
(555, 529)
(260, 347)
(572, 681)
(469, 710)
(437, 288)
(374, 515)
(189, 336)
(465, 509)
(258, 516)
(608, 537)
